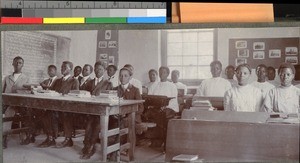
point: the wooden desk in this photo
(228, 141)
(93, 106)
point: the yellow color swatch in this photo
(63, 20)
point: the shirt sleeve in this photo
(268, 103)
(226, 102)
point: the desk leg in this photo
(131, 134)
(104, 137)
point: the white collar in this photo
(66, 77)
(85, 78)
(53, 77)
(125, 86)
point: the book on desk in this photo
(185, 158)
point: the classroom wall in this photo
(141, 49)
(224, 34)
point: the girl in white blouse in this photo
(243, 97)
(283, 98)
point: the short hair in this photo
(112, 66)
(100, 63)
(166, 68)
(18, 57)
(153, 70)
(176, 71)
(230, 66)
(127, 69)
(215, 62)
(78, 67)
(129, 66)
(68, 63)
(286, 65)
(259, 66)
(243, 65)
(52, 66)
(271, 68)
(91, 67)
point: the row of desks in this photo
(93, 106)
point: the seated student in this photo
(261, 83)
(229, 72)
(77, 72)
(272, 75)
(41, 114)
(179, 85)
(11, 84)
(63, 85)
(244, 97)
(152, 73)
(283, 98)
(86, 72)
(133, 81)
(164, 88)
(112, 75)
(95, 86)
(215, 86)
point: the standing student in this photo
(64, 85)
(95, 86)
(133, 81)
(244, 97)
(112, 75)
(283, 98)
(161, 118)
(261, 83)
(271, 76)
(215, 86)
(11, 84)
(229, 72)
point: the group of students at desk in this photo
(239, 95)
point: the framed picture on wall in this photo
(239, 61)
(293, 60)
(274, 53)
(258, 46)
(111, 60)
(259, 55)
(102, 44)
(103, 56)
(241, 44)
(243, 53)
(291, 51)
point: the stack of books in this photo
(202, 104)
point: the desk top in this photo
(91, 100)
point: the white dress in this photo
(265, 87)
(243, 98)
(180, 85)
(282, 99)
(214, 87)
(166, 89)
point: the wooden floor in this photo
(16, 153)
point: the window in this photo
(190, 52)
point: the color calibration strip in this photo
(78, 12)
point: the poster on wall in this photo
(291, 51)
(274, 53)
(107, 49)
(258, 46)
(241, 44)
(258, 55)
(293, 60)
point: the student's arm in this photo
(226, 102)
(268, 103)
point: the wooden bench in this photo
(232, 141)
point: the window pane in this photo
(190, 61)
(189, 37)
(174, 60)
(174, 49)
(189, 72)
(174, 37)
(204, 72)
(205, 60)
(189, 49)
(206, 36)
(205, 48)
